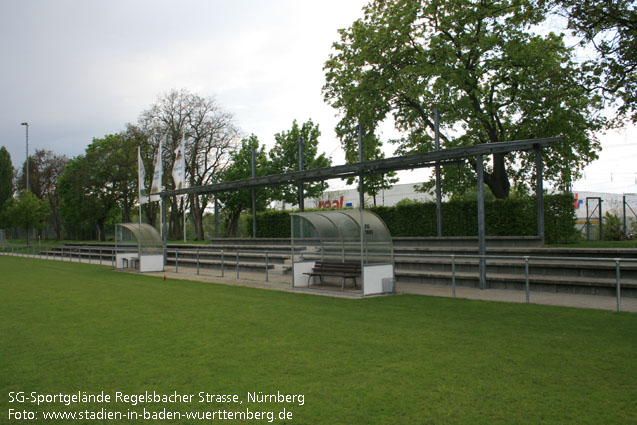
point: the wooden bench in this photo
(335, 268)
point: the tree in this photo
(284, 158)
(241, 168)
(609, 27)
(45, 169)
(210, 134)
(6, 177)
(478, 63)
(28, 212)
(101, 184)
(373, 184)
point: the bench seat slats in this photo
(333, 268)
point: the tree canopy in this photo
(100, 184)
(45, 169)
(27, 211)
(6, 176)
(609, 27)
(210, 135)
(284, 158)
(482, 67)
(240, 168)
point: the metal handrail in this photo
(62, 250)
(527, 259)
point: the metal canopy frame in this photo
(423, 160)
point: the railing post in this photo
(89, 255)
(222, 268)
(266, 267)
(176, 261)
(100, 255)
(618, 276)
(526, 278)
(237, 264)
(197, 260)
(453, 275)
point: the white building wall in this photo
(349, 198)
(611, 202)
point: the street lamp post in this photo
(27, 170)
(27, 126)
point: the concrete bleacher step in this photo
(229, 264)
(565, 268)
(544, 283)
(247, 254)
(427, 260)
(469, 241)
(607, 253)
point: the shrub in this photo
(613, 228)
(503, 217)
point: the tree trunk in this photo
(56, 222)
(233, 225)
(175, 219)
(498, 180)
(151, 210)
(127, 208)
(100, 231)
(196, 212)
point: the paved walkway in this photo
(508, 295)
(282, 283)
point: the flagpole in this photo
(161, 212)
(140, 182)
(183, 174)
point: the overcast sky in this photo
(79, 69)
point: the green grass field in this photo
(68, 327)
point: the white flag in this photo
(156, 185)
(179, 168)
(141, 176)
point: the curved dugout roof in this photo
(346, 225)
(147, 237)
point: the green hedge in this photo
(504, 217)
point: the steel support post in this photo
(163, 227)
(618, 283)
(624, 211)
(216, 217)
(539, 189)
(453, 275)
(361, 205)
(526, 279)
(482, 244)
(438, 178)
(254, 199)
(301, 194)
